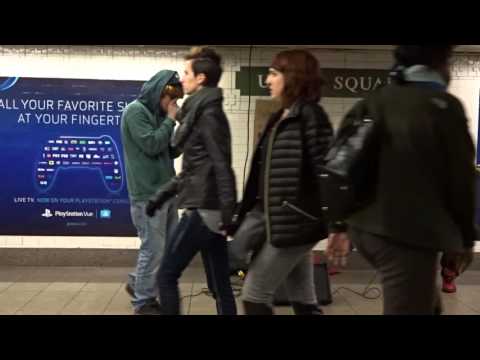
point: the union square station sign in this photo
(340, 83)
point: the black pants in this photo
(408, 273)
(189, 237)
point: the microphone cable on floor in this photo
(364, 294)
(374, 291)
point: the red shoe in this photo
(448, 284)
(333, 271)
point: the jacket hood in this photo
(152, 89)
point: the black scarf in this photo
(189, 112)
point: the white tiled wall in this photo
(140, 63)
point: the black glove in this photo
(230, 227)
(151, 208)
(162, 196)
(337, 227)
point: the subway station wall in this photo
(134, 64)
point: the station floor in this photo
(101, 291)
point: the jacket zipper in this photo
(266, 185)
(297, 209)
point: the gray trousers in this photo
(408, 273)
(272, 266)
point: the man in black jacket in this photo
(206, 187)
(423, 200)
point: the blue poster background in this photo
(61, 158)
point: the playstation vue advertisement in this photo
(61, 157)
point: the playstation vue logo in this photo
(68, 214)
(47, 213)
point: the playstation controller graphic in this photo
(79, 152)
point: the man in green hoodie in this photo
(146, 127)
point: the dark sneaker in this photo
(130, 291)
(150, 308)
(306, 309)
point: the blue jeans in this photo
(191, 236)
(153, 233)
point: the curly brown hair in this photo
(174, 91)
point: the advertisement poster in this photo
(61, 157)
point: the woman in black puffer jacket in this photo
(282, 204)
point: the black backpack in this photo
(350, 170)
